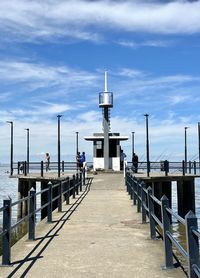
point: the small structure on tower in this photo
(106, 145)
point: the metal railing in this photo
(65, 189)
(23, 168)
(146, 202)
(165, 166)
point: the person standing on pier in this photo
(78, 160)
(82, 160)
(135, 162)
(122, 157)
(47, 162)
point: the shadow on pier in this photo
(50, 235)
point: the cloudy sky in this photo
(53, 55)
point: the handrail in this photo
(74, 185)
(145, 201)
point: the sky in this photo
(53, 55)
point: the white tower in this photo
(106, 102)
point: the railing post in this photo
(148, 168)
(74, 187)
(60, 197)
(68, 191)
(32, 206)
(195, 168)
(18, 167)
(183, 167)
(63, 166)
(138, 197)
(49, 207)
(144, 219)
(151, 211)
(25, 168)
(81, 181)
(42, 168)
(77, 184)
(166, 227)
(83, 176)
(134, 192)
(6, 239)
(190, 167)
(127, 181)
(192, 243)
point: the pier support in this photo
(44, 198)
(159, 189)
(185, 196)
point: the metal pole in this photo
(186, 127)
(199, 139)
(76, 142)
(11, 147)
(59, 116)
(28, 147)
(133, 142)
(147, 143)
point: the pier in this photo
(100, 234)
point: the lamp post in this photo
(186, 127)
(76, 142)
(59, 116)
(147, 144)
(27, 147)
(11, 147)
(199, 140)
(133, 142)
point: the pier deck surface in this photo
(99, 235)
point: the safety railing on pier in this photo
(146, 203)
(24, 168)
(165, 166)
(65, 189)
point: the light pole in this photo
(133, 142)
(186, 127)
(147, 144)
(11, 147)
(199, 140)
(59, 116)
(27, 147)
(76, 142)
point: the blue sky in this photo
(52, 61)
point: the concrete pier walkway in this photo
(99, 235)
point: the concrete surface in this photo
(99, 235)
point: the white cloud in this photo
(87, 20)
(175, 99)
(151, 43)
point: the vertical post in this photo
(183, 167)
(166, 227)
(11, 147)
(76, 142)
(143, 202)
(63, 166)
(18, 167)
(60, 196)
(106, 137)
(27, 147)
(134, 192)
(147, 144)
(74, 187)
(42, 168)
(138, 197)
(83, 176)
(25, 168)
(6, 239)
(59, 116)
(32, 205)
(151, 211)
(195, 168)
(192, 243)
(199, 140)
(81, 181)
(49, 207)
(133, 143)
(166, 167)
(190, 167)
(68, 191)
(77, 184)
(186, 127)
